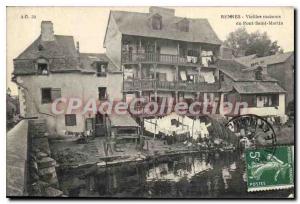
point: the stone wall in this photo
(16, 159)
(42, 178)
(30, 170)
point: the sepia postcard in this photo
(150, 102)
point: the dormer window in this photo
(42, 67)
(156, 22)
(183, 25)
(258, 73)
(101, 69)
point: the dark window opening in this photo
(258, 73)
(50, 94)
(157, 22)
(101, 69)
(269, 100)
(40, 47)
(70, 120)
(193, 53)
(222, 77)
(46, 95)
(225, 98)
(102, 93)
(249, 99)
(43, 69)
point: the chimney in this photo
(226, 53)
(78, 50)
(77, 46)
(47, 33)
(162, 11)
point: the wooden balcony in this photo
(131, 58)
(150, 85)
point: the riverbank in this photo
(70, 154)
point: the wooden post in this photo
(140, 41)
(193, 127)
(155, 82)
(155, 127)
(140, 70)
(200, 59)
(176, 74)
(178, 48)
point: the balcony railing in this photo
(151, 84)
(158, 58)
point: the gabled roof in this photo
(87, 60)
(62, 46)
(257, 87)
(272, 59)
(62, 56)
(239, 72)
(137, 24)
(61, 53)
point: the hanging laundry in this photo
(208, 77)
(183, 75)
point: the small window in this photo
(70, 120)
(183, 25)
(42, 69)
(101, 69)
(102, 93)
(157, 22)
(46, 95)
(222, 77)
(50, 94)
(225, 98)
(258, 74)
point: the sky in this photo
(88, 25)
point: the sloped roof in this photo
(239, 72)
(61, 53)
(138, 24)
(87, 60)
(245, 59)
(122, 120)
(62, 46)
(258, 87)
(272, 59)
(62, 56)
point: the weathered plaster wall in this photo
(113, 42)
(284, 73)
(83, 86)
(268, 111)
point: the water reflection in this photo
(189, 176)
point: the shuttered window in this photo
(55, 93)
(48, 95)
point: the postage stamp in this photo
(270, 168)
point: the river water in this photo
(200, 175)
